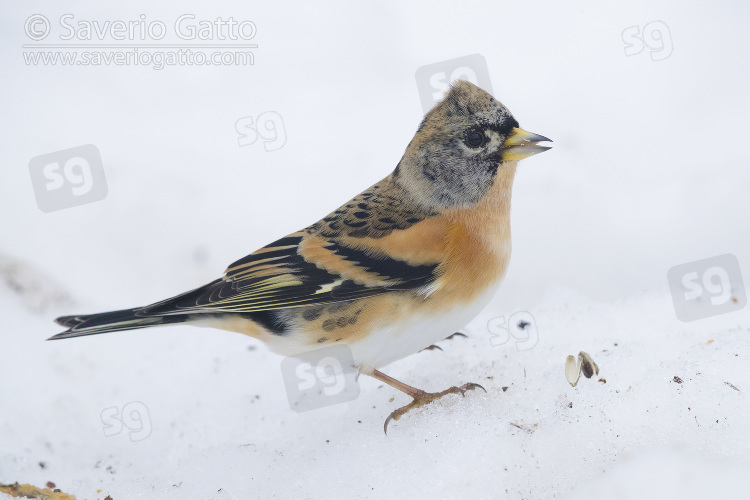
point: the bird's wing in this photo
(344, 256)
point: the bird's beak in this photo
(521, 144)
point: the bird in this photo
(402, 265)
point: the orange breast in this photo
(478, 244)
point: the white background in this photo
(648, 170)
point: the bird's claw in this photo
(423, 398)
(470, 387)
(456, 334)
(432, 348)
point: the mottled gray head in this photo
(459, 147)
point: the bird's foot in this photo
(422, 398)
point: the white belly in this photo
(396, 341)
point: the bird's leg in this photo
(419, 396)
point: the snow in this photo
(646, 174)
(221, 426)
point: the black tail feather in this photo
(112, 321)
(164, 312)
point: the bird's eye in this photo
(474, 139)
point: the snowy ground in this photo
(220, 425)
(647, 173)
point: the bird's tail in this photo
(112, 321)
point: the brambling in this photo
(407, 262)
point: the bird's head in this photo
(460, 146)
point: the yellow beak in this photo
(521, 144)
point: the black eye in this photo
(474, 139)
